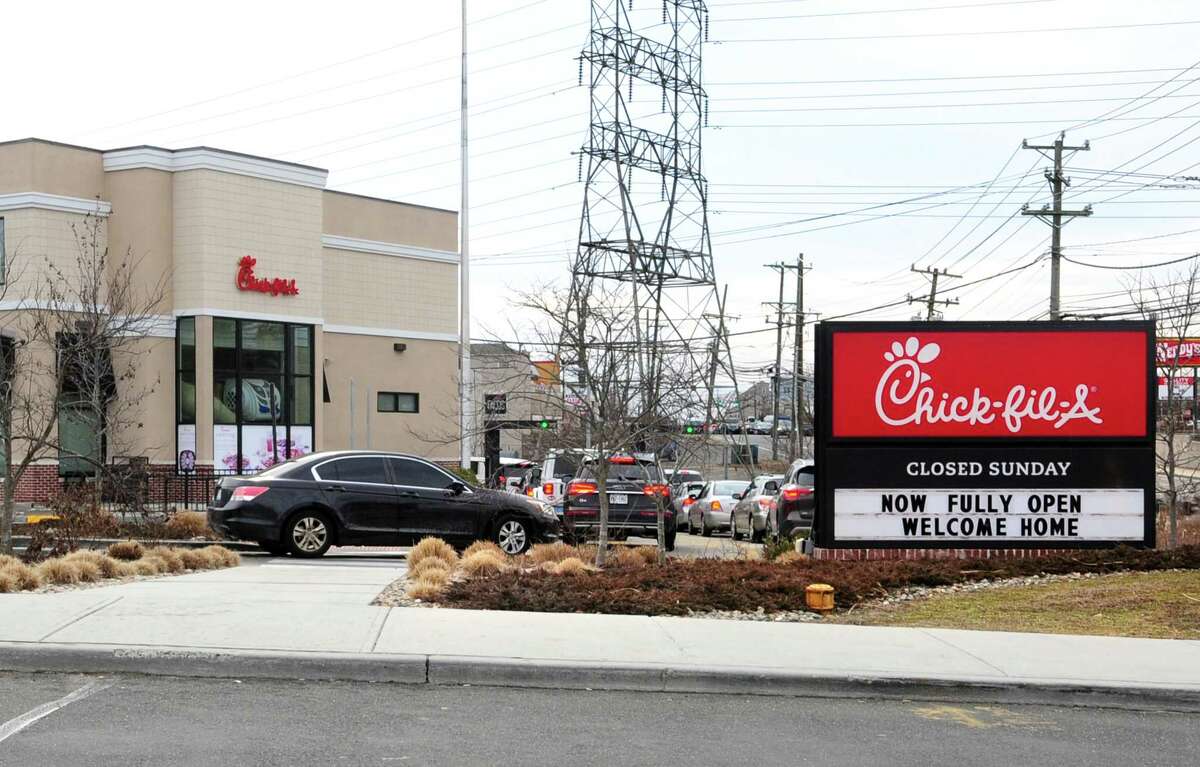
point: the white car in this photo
(559, 468)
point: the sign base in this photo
(890, 555)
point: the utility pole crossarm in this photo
(931, 300)
(1055, 214)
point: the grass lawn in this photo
(1157, 604)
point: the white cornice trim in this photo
(418, 335)
(239, 315)
(214, 159)
(338, 242)
(56, 202)
(155, 326)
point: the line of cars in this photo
(306, 505)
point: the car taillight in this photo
(582, 488)
(688, 502)
(795, 492)
(714, 506)
(529, 491)
(548, 488)
(627, 460)
(663, 490)
(248, 492)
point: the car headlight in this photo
(547, 509)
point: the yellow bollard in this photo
(819, 597)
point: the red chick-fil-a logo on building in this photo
(276, 286)
(989, 384)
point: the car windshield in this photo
(625, 472)
(679, 477)
(729, 488)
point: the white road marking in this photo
(15, 725)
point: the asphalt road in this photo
(134, 721)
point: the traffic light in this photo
(544, 423)
(689, 429)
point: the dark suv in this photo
(636, 490)
(795, 504)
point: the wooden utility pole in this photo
(1056, 213)
(775, 378)
(797, 440)
(931, 301)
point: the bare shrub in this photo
(127, 550)
(27, 577)
(188, 524)
(58, 571)
(483, 563)
(483, 546)
(432, 547)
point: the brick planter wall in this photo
(860, 555)
(41, 482)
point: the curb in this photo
(454, 670)
(22, 541)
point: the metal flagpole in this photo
(464, 271)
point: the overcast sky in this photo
(818, 107)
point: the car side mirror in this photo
(456, 488)
(771, 487)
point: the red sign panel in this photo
(990, 383)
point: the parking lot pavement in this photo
(719, 546)
(189, 722)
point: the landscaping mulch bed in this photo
(683, 587)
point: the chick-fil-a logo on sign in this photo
(276, 286)
(990, 384)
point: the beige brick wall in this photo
(369, 218)
(33, 237)
(390, 292)
(220, 217)
(39, 166)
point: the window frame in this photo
(395, 395)
(3, 255)
(288, 375)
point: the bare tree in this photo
(615, 409)
(79, 341)
(1173, 302)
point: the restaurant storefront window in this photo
(262, 392)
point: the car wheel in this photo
(733, 533)
(669, 540)
(705, 530)
(512, 535)
(756, 536)
(273, 548)
(308, 534)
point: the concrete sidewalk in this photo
(289, 620)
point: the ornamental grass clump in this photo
(174, 562)
(128, 551)
(434, 548)
(8, 582)
(188, 525)
(221, 556)
(571, 566)
(108, 567)
(478, 546)
(427, 564)
(25, 576)
(58, 572)
(149, 565)
(626, 557)
(551, 552)
(482, 564)
(429, 585)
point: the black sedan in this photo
(361, 498)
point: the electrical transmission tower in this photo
(931, 300)
(644, 225)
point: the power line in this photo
(964, 33)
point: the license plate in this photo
(618, 498)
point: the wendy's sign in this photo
(985, 435)
(276, 286)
